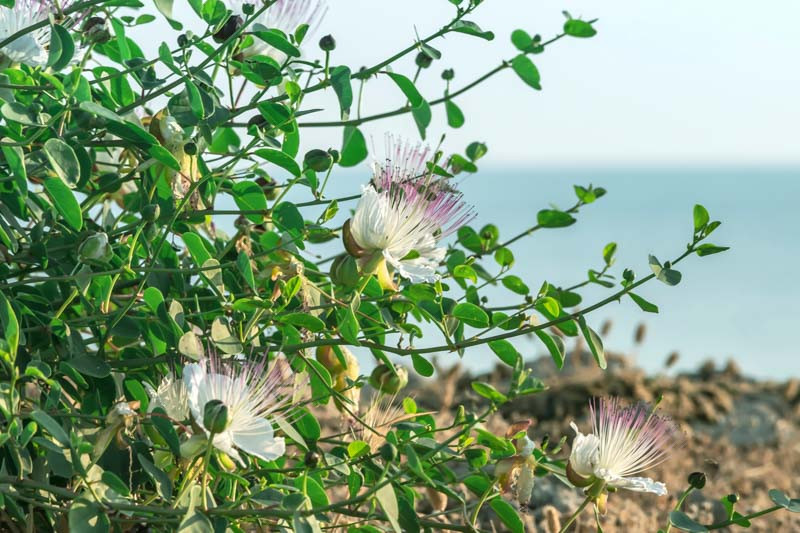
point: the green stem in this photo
(575, 515)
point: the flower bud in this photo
(423, 60)
(95, 248)
(697, 480)
(151, 212)
(349, 242)
(344, 271)
(215, 416)
(190, 148)
(318, 160)
(311, 459)
(269, 186)
(327, 43)
(228, 29)
(335, 154)
(388, 381)
(448, 74)
(388, 452)
(96, 30)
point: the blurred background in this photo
(670, 104)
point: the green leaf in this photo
(521, 40)
(552, 218)
(527, 71)
(504, 257)
(420, 109)
(643, 304)
(388, 502)
(594, 342)
(357, 448)
(89, 365)
(287, 217)
(160, 479)
(63, 161)
(195, 99)
(489, 392)
(465, 272)
(515, 284)
(780, 498)
(281, 159)
(701, 217)
(246, 269)
(579, 28)
(87, 517)
(455, 118)
(275, 39)
(682, 521)
(415, 464)
(54, 428)
(354, 147)
(347, 325)
(167, 431)
(250, 197)
(470, 28)
(8, 319)
(164, 156)
(554, 345)
(422, 365)
(508, 515)
(15, 158)
(340, 81)
(189, 345)
(223, 338)
(710, 249)
(666, 275)
(304, 320)
(471, 314)
(65, 202)
(198, 251)
(505, 351)
(62, 48)
(608, 253)
(165, 8)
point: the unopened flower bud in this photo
(448, 74)
(318, 160)
(227, 30)
(388, 381)
(423, 60)
(697, 480)
(327, 43)
(388, 452)
(215, 416)
(312, 459)
(151, 212)
(334, 154)
(96, 30)
(95, 248)
(190, 148)
(344, 271)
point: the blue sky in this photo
(663, 82)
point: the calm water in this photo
(742, 304)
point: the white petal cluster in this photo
(625, 441)
(32, 48)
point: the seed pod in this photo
(327, 358)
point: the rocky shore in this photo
(744, 434)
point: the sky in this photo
(673, 82)
(672, 103)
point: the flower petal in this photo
(636, 484)
(194, 376)
(585, 453)
(259, 439)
